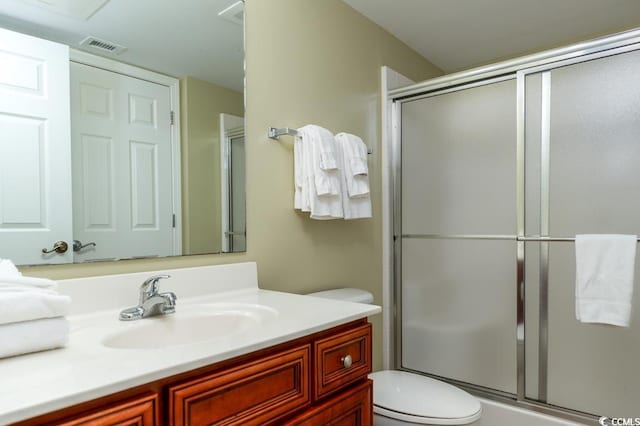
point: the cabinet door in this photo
(254, 393)
(134, 412)
(351, 408)
(342, 359)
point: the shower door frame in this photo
(518, 69)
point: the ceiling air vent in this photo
(102, 45)
(234, 13)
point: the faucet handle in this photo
(169, 306)
(150, 286)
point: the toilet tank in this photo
(346, 294)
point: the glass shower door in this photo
(583, 176)
(458, 227)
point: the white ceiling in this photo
(174, 37)
(459, 34)
(186, 37)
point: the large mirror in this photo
(155, 94)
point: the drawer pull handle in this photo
(346, 361)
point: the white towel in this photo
(10, 276)
(299, 176)
(8, 269)
(356, 169)
(356, 200)
(317, 178)
(30, 282)
(33, 336)
(604, 278)
(20, 305)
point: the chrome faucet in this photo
(151, 301)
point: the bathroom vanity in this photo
(231, 354)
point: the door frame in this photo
(227, 135)
(173, 84)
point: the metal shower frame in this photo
(516, 69)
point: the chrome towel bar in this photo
(534, 238)
(551, 239)
(275, 132)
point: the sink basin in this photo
(190, 324)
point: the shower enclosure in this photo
(497, 169)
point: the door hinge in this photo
(172, 118)
(174, 221)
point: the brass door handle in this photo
(58, 247)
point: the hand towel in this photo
(356, 200)
(20, 305)
(356, 169)
(33, 336)
(604, 278)
(324, 160)
(320, 190)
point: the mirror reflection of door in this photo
(233, 184)
(35, 176)
(122, 166)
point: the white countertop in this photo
(86, 369)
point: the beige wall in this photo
(308, 61)
(201, 105)
(311, 61)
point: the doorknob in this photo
(58, 247)
(77, 245)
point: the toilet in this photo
(403, 398)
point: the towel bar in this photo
(535, 238)
(552, 239)
(275, 132)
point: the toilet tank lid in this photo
(347, 294)
(415, 395)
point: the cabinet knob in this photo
(346, 361)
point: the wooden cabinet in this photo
(141, 410)
(319, 379)
(352, 407)
(254, 393)
(341, 359)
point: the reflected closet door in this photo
(458, 226)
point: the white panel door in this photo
(35, 159)
(122, 165)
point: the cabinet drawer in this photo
(254, 393)
(354, 407)
(139, 411)
(332, 369)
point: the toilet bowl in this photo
(403, 398)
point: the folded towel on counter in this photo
(8, 269)
(33, 336)
(604, 278)
(10, 277)
(356, 201)
(316, 174)
(28, 282)
(16, 306)
(356, 169)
